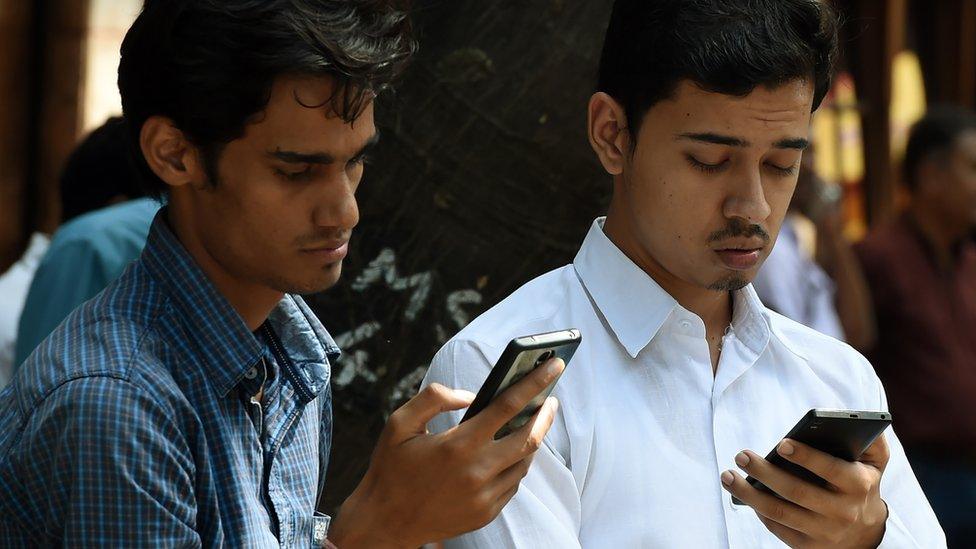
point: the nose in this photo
(337, 206)
(747, 199)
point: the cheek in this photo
(675, 211)
(778, 195)
(250, 213)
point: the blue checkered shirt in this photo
(133, 425)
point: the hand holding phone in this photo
(422, 487)
(829, 490)
(522, 356)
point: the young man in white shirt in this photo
(684, 380)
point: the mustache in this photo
(739, 228)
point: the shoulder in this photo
(535, 307)
(116, 335)
(89, 417)
(128, 221)
(104, 406)
(105, 442)
(831, 360)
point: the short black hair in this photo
(723, 46)
(209, 65)
(99, 170)
(935, 133)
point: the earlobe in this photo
(167, 151)
(607, 129)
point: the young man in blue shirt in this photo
(188, 404)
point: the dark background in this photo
(483, 180)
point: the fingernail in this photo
(727, 478)
(742, 459)
(786, 448)
(554, 367)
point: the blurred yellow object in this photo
(837, 134)
(907, 100)
(837, 137)
(839, 150)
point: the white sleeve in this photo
(911, 521)
(546, 510)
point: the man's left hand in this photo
(849, 512)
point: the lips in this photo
(739, 259)
(330, 253)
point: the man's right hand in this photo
(422, 488)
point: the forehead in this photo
(765, 115)
(299, 116)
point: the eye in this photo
(780, 170)
(302, 175)
(360, 160)
(704, 166)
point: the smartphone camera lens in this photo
(544, 357)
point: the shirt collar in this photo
(636, 307)
(310, 347)
(217, 330)
(750, 321)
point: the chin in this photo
(316, 282)
(731, 283)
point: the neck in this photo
(252, 302)
(713, 307)
(937, 233)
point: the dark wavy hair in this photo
(723, 46)
(209, 65)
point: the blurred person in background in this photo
(105, 224)
(922, 273)
(812, 275)
(14, 284)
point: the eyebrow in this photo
(293, 157)
(797, 143)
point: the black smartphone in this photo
(845, 434)
(523, 355)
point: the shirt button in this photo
(686, 324)
(251, 374)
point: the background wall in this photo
(484, 179)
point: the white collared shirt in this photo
(645, 429)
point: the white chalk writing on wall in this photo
(383, 270)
